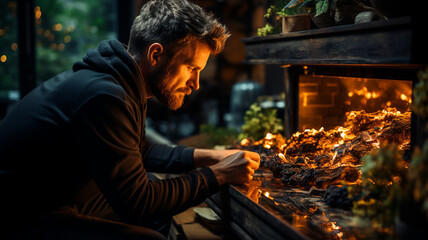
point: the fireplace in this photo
(343, 98)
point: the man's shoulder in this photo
(89, 83)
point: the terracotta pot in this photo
(294, 23)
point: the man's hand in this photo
(237, 168)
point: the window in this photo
(65, 29)
(8, 50)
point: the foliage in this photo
(267, 30)
(389, 188)
(277, 10)
(418, 178)
(8, 36)
(218, 135)
(420, 95)
(260, 121)
(383, 172)
(317, 7)
(64, 30)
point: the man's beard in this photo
(160, 81)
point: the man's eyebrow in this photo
(192, 64)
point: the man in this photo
(73, 153)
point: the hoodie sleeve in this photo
(107, 135)
(167, 159)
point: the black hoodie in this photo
(86, 127)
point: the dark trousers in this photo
(92, 218)
(67, 224)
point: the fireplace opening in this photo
(304, 177)
(347, 91)
(325, 100)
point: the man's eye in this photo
(192, 69)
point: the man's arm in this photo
(106, 135)
(208, 157)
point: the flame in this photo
(267, 194)
(334, 226)
(368, 95)
(245, 142)
(365, 94)
(338, 147)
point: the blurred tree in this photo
(66, 29)
(8, 47)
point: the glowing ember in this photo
(321, 158)
(334, 226)
(245, 142)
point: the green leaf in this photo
(293, 3)
(321, 7)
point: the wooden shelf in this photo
(387, 42)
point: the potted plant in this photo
(321, 11)
(327, 13)
(290, 19)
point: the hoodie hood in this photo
(111, 57)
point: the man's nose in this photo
(194, 81)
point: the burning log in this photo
(396, 130)
(300, 176)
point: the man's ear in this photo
(154, 54)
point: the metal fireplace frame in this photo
(387, 49)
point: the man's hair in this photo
(175, 24)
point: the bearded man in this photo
(73, 153)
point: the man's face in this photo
(177, 78)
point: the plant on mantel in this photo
(326, 13)
(277, 11)
(317, 7)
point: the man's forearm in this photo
(204, 157)
(209, 157)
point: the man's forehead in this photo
(195, 53)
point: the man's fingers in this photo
(253, 164)
(251, 171)
(253, 156)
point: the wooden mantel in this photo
(387, 42)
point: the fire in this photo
(245, 142)
(320, 158)
(364, 92)
(267, 194)
(334, 226)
